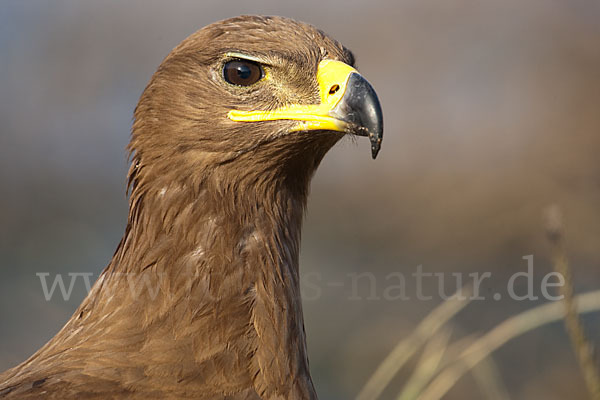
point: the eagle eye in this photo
(242, 72)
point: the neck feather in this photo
(215, 261)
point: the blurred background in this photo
(492, 113)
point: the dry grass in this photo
(581, 345)
(406, 348)
(443, 363)
(433, 379)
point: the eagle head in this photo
(270, 93)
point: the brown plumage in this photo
(201, 298)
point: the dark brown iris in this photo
(242, 72)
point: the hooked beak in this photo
(348, 104)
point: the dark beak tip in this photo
(361, 108)
(375, 145)
(375, 140)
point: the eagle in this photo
(201, 299)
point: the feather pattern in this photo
(201, 298)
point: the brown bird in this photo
(201, 298)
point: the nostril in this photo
(334, 89)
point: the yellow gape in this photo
(332, 77)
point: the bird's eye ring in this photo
(242, 72)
